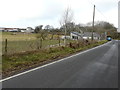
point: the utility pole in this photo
(93, 22)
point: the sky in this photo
(31, 13)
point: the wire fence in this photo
(11, 47)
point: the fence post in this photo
(40, 43)
(37, 44)
(59, 40)
(6, 43)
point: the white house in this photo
(75, 35)
(85, 35)
(27, 30)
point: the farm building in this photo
(25, 30)
(85, 35)
(9, 29)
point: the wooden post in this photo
(6, 42)
(37, 42)
(40, 43)
(59, 39)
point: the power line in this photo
(101, 13)
(97, 9)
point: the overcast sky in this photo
(30, 13)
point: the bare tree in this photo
(66, 18)
(41, 35)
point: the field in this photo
(17, 43)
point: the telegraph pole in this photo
(93, 22)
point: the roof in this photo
(76, 33)
(86, 34)
(89, 34)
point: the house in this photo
(88, 35)
(85, 35)
(25, 30)
(13, 30)
(75, 35)
(29, 30)
(9, 29)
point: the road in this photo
(94, 68)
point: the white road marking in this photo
(52, 63)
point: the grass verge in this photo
(12, 64)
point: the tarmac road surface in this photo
(94, 68)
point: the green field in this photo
(17, 43)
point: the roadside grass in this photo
(19, 62)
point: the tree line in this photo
(68, 25)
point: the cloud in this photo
(23, 13)
(13, 10)
(112, 16)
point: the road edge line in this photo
(53, 62)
